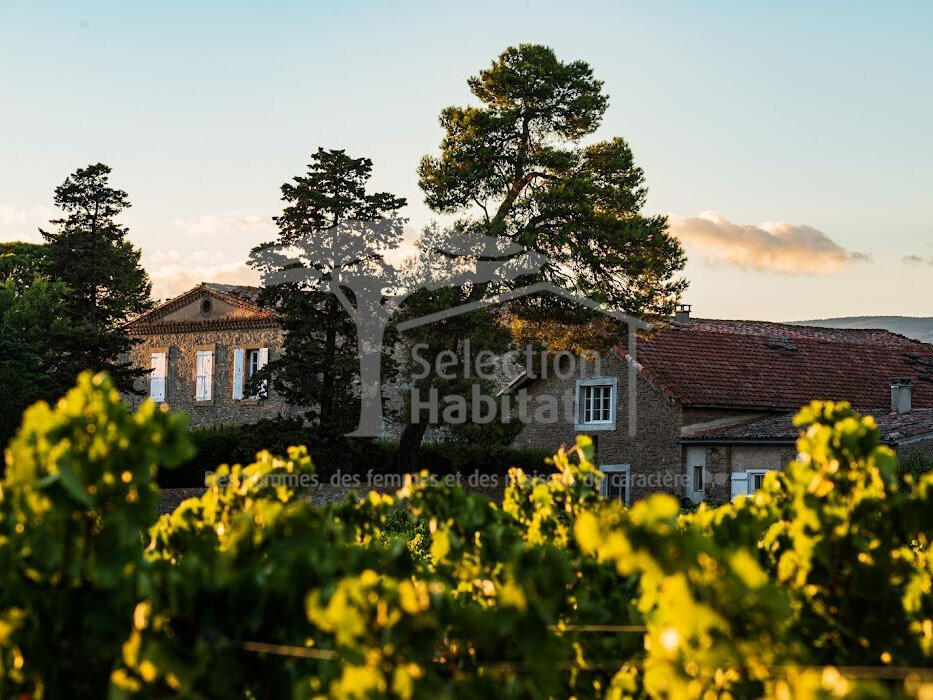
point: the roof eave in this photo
(773, 442)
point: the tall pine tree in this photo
(320, 365)
(514, 166)
(89, 252)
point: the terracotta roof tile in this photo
(780, 428)
(771, 366)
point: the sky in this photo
(790, 143)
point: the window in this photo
(615, 484)
(596, 404)
(747, 482)
(246, 362)
(695, 473)
(252, 362)
(158, 363)
(204, 375)
(698, 478)
(756, 479)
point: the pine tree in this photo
(89, 253)
(515, 167)
(320, 364)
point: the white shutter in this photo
(263, 361)
(158, 362)
(204, 375)
(238, 361)
(209, 374)
(739, 483)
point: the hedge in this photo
(238, 444)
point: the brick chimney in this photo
(682, 313)
(900, 395)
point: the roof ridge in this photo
(859, 336)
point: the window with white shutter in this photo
(158, 377)
(246, 362)
(204, 375)
(748, 482)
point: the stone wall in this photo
(723, 460)
(718, 485)
(745, 457)
(180, 387)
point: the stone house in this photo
(202, 347)
(714, 399)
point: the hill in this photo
(910, 326)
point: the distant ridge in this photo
(911, 326)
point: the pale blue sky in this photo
(817, 115)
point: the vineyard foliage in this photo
(818, 585)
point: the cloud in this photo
(173, 273)
(780, 247)
(214, 224)
(917, 260)
(22, 224)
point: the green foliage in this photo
(76, 497)
(233, 444)
(21, 262)
(89, 252)
(251, 591)
(28, 316)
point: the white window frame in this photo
(613, 384)
(158, 377)
(204, 375)
(743, 483)
(752, 473)
(608, 470)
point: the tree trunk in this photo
(327, 374)
(409, 445)
(370, 331)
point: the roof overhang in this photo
(724, 442)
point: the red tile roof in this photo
(894, 427)
(773, 366)
(241, 291)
